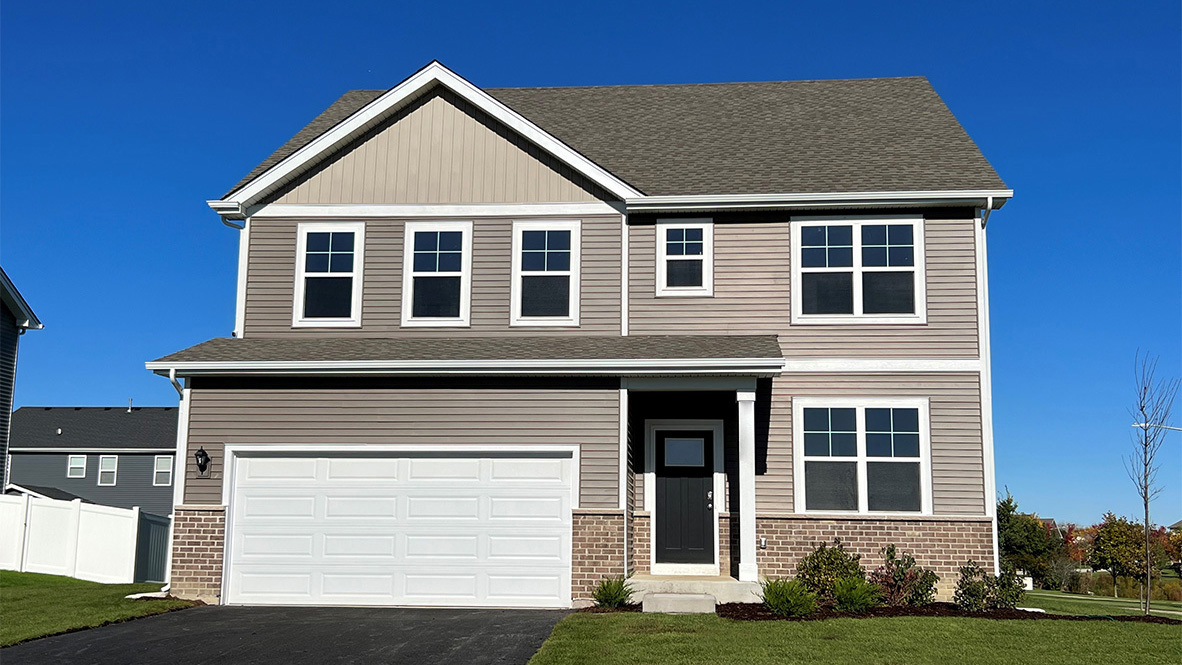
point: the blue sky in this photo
(118, 120)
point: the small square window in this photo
(76, 466)
(685, 257)
(162, 471)
(108, 469)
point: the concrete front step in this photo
(724, 589)
(679, 603)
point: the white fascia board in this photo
(22, 312)
(759, 366)
(813, 200)
(442, 210)
(389, 103)
(92, 451)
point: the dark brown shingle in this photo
(892, 134)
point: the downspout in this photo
(180, 390)
(232, 224)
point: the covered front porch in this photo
(694, 448)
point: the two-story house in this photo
(494, 345)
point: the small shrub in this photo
(979, 591)
(612, 592)
(820, 569)
(1101, 584)
(1005, 590)
(1170, 591)
(789, 598)
(902, 582)
(855, 595)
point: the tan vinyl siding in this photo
(440, 149)
(489, 416)
(270, 283)
(958, 476)
(751, 295)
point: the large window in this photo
(867, 270)
(328, 275)
(108, 469)
(437, 274)
(862, 455)
(162, 471)
(545, 274)
(685, 257)
(76, 466)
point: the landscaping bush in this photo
(855, 595)
(902, 582)
(1169, 591)
(790, 598)
(1101, 584)
(1006, 590)
(979, 591)
(820, 569)
(612, 592)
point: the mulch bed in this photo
(757, 612)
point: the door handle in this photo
(710, 506)
(710, 494)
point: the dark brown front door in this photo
(685, 496)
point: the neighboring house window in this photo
(862, 455)
(864, 270)
(685, 257)
(162, 473)
(546, 261)
(437, 274)
(329, 260)
(76, 466)
(108, 469)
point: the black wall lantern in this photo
(203, 461)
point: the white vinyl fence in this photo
(96, 543)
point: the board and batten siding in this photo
(587, 416)
(270, 282)
(752, 290)
(9, 338)
(440, 149)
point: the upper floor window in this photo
(108, 469)
(76, 466)
(862, 455)
(328, 274)
(162, 470)
(867, 270)
(437, 274)
(545, 270)
(685, 257)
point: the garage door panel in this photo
(455, 530)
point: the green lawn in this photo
(33, 605)
(1057, 602)
(634, 639)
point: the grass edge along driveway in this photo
(34, 605)
(637, 639)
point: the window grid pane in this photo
(830, 433)
(827, 246)
(892, 432)
(329, 252)
(545, 251)
(438, 251)
(683, 242)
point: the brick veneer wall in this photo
(197, 544)
(941, 545)
(597, 549)
(638, 533)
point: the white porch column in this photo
(747, 569)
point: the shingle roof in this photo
(574, 347)
(93, 427)
(857, 135)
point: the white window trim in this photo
(155, 471)
(408, 275)
(707, 287)
(115, 480)
(799, 404)
(576, 256)
(297, 311)
(70, 468)
(858, 221)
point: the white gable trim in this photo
(388, 104)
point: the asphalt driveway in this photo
(281, 636)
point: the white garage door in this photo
(460, 530)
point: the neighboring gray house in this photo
(493, 345)
(113, 456)
(15, 318)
